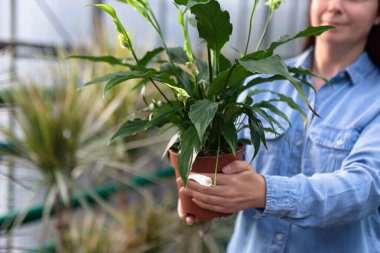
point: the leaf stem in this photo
(210, 72)
(250, 26)
(217, 161)
(265, 29)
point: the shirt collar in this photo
(360, 68)
(356, 71)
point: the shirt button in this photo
(339, 142)
(279, 237)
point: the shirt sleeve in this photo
(337, 198)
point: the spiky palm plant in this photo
(63, 132)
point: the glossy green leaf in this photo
(229, 134)
(130, 128)
(189, 149)
(134, 74)
(260, 80)
(201, 114)
(301, 71)
(282, 98)
(166, 114)
(145, 60)
(275, 65)
(308, 32)
(234, 76)
(213, 24)
(106, 59)
(107, 77)
(224, 63)
(268, 118)
(274, 109)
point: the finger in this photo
(190, 219)
(211, 207)
(236, 167)
(179, 181)
(211, 199)
(209, 190)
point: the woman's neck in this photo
(329, 60)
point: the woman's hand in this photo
(238, 188)
(188, 218)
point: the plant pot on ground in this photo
(208, 101)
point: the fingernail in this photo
(226, 169)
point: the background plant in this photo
(62, 133)
(148, 226)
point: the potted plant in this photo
(202, 98)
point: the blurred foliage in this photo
(151, 227)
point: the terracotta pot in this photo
(203, 164)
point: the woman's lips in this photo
(334, 23)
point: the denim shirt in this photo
(323, 180)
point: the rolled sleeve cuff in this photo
(281, 196)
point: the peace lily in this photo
(202, 102)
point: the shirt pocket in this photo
(329, 146)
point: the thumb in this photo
(236, 167)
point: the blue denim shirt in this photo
(323, 189)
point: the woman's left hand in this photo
(238, 187)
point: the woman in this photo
(322, 192)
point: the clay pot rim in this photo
(241, 148)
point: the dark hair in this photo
(373, 43)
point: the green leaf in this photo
(271, 120)
(213, 24)
(201, 114)
(190, 146)
(308, 32)
(257, 134)
(181, 2)
(224, 63)
(130, 128)
(229, 134)
(106, 59)
(150, 55)
(233, 76)
(190, 3)
(301, 71)
(274, 65)
(178, 55)
(274, 109)
(283, 98)
(259, 80)
(167, 113)
(127, 76)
